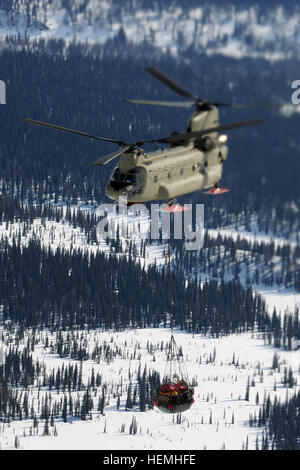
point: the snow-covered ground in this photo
(63, 235)
(284, 300)
(279, 297)
(251, 237)
(218, 418)
(235, 32)
(220, 366)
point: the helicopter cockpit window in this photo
(131, 176)
(121, 180)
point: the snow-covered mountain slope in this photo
(277, 296)
(257, 271)
(63, 235)
(221, 367)
(234, 31)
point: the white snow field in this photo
(217, 420)
(281, 298)
(220, 366)
(235, 32)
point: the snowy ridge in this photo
(52, 234)
(234, 32)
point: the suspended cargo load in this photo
(175, 395)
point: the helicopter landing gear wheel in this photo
(174, 206)
(172, 202)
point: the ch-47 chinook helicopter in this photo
(193, 160)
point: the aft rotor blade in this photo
(71, 131)
(107, 158)
(256, 105)
(178, 137)
(179, 104)
(155, 72)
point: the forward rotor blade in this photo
(170, 83)
(178, 137)
(218, 104)
(179, 104)
(107, 158)
(227, 127)
(71, 131)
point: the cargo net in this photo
(175, 369)
(175, 395)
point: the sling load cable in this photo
(174, 363)
(170, 397)
(170, 285)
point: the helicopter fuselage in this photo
(165, 174)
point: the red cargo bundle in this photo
(182, 386)
(175, 395)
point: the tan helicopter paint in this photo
(172, 172)
(204, 120)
